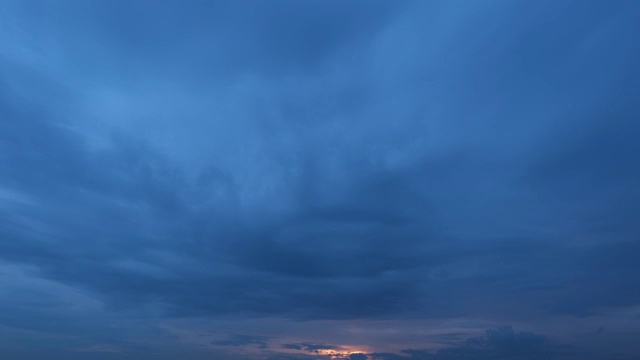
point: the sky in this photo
(315, 180)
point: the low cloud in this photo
(243, 340)
(311, 347)
(501, 343)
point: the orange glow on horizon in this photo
(344, 352)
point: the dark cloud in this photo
(501, 343)
(244, 340)
(317, 160)
(209, 40)
(311, 347)
(387, 356)
(357, 357)
(418, 354)
(293, 346)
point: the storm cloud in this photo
(368, 174)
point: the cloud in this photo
(357, 357)
(317, 161)
(242, 340)
(311, 347)
(357, 222)
(501, 343)
(418, 354)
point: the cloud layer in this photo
(316, 162)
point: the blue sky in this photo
(382, 180)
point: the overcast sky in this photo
(307, 179)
